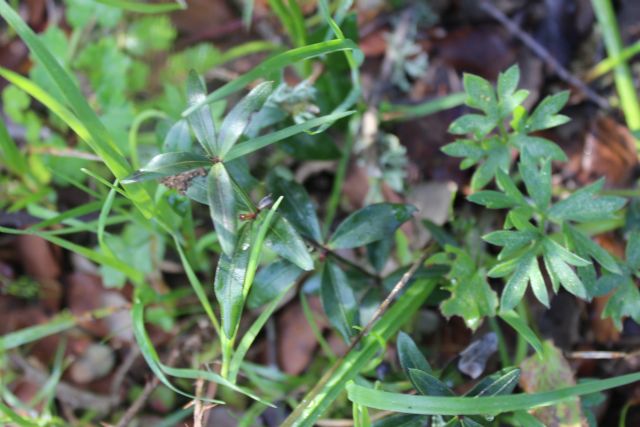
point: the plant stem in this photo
(338, 182)
(623, 78)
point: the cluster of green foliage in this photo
(267, 236)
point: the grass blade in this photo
(271, 138)
(517, 323)
(438, 405)
(101, 142)
(271, 66)
(140, 7)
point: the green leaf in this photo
(273, 65)
(178, 138)
(493, 405)
(296, 205)
(517, 283)
(141, 7)
(369, 224)
(586, 247)
(501, 383)
(623, 303)
(632, 252)
(520, 326)
(558, 259)
(228, 283)
(201, 120)
(537, 181)
(338, 300)
(270, 281)
(464, 148)
(480, 94)
(255, 144)
(284, 240)
(508, 83)
(472, 299)
(236, 121)
(409, 356)
(537, 147)
(544, 115)
(493, 199)
(474, 124)
(585, 205)
(169, 164)
(401, 420)
(222, 206)
(498, 158)
(429, 385)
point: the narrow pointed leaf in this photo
(429, 385)
(520, 325)
(168, 164)
(409, 356)
(229, 281)
(517, 283)
(338, 300)
(296, 206)
(284, 240)
(222, 206)
(501, 383)
(374, 222)
(236, 121)
(201, 120)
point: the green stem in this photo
(622, 73)
(338, 182)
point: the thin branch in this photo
(541, 52)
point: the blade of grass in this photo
(439, 405)
(159, 369)
(249, 337)
(271, 66)
(56, 325)
(608, 64)
(14, 417)
(333, 382)
(524, 331)
(14, 161)
(101, 142)
(133, 132)
(140, 7)
(197, 286)
(622, 73)
(94, 256)
(255, 144)
(393, 112)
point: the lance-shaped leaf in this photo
(517, 283)
(429, 385)
(201, 120)
(296, 206)
(229, 281)
(237, 120)
(374, 222)
(222, 206)
(409, 356)
(168, 164)
(284, 240)
(178, 137)
(338, 300)
(501, 383)
(271, 281)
